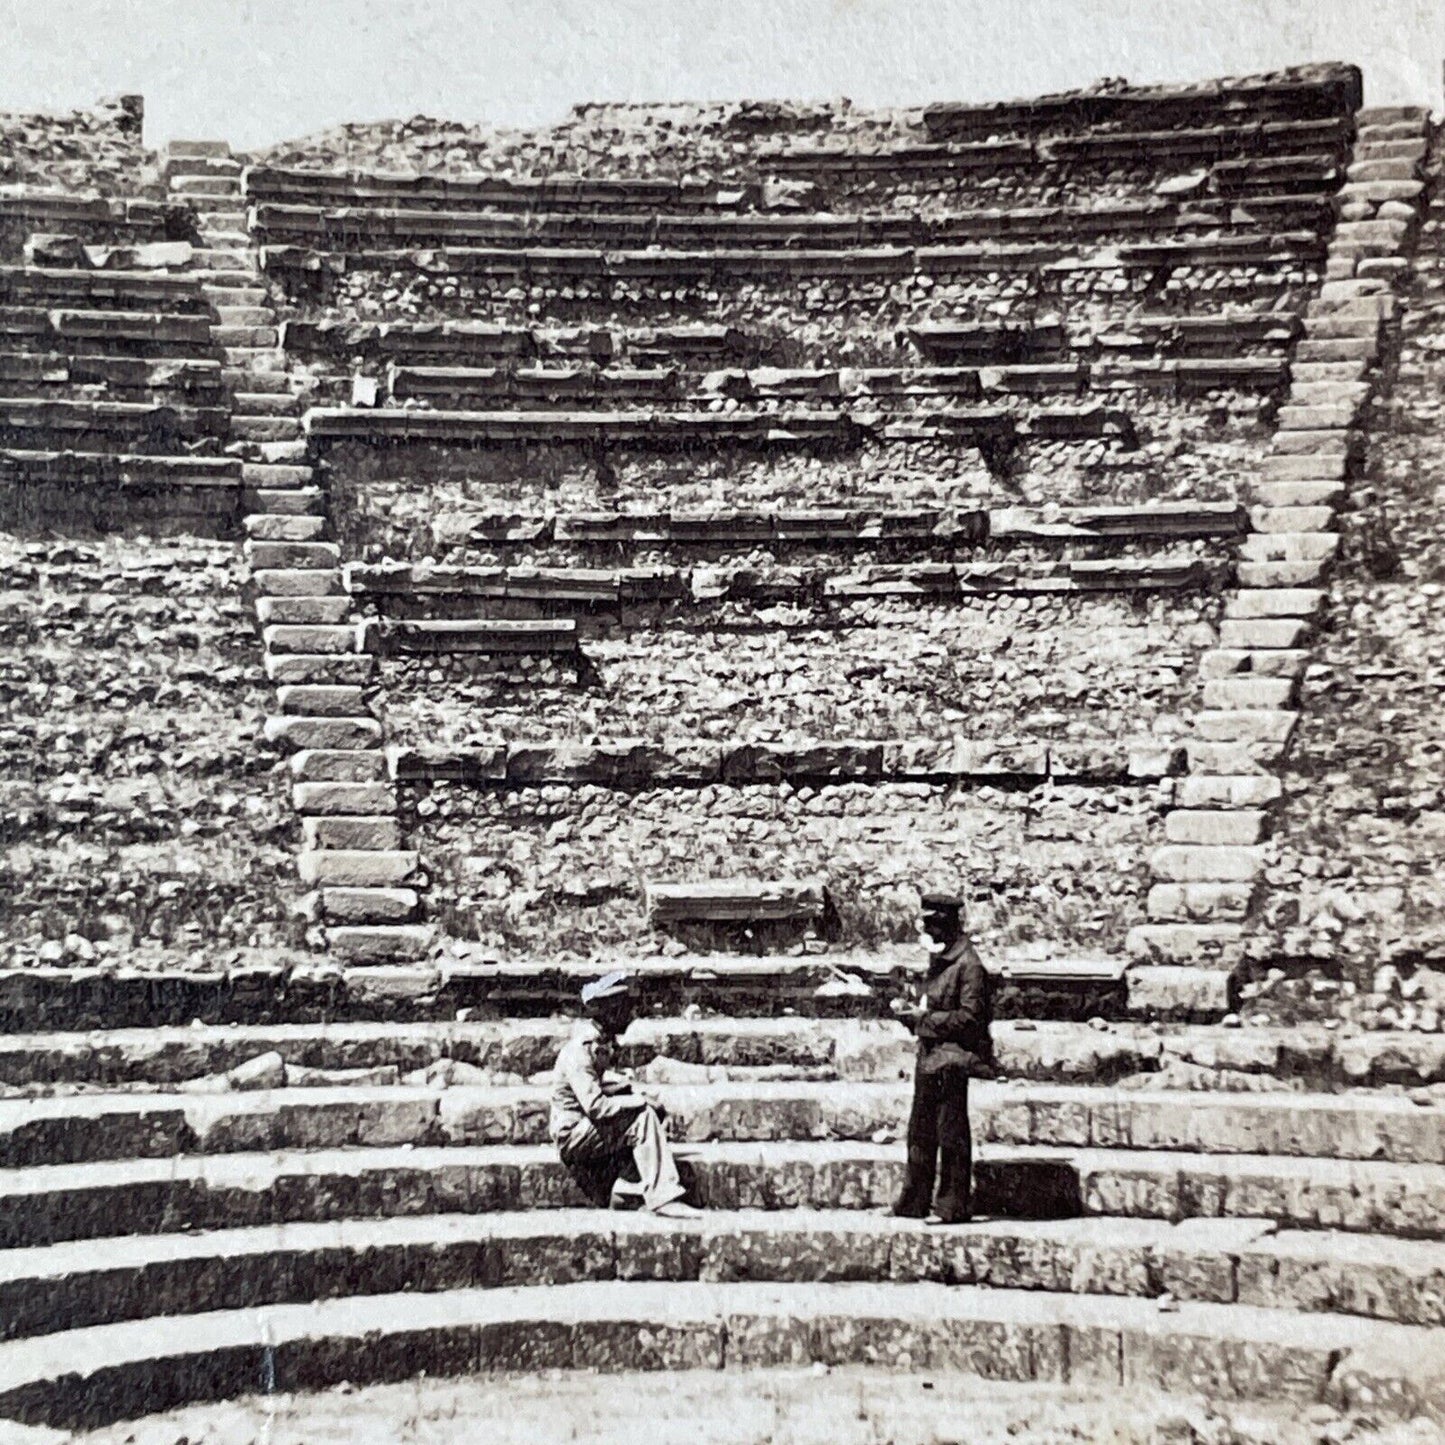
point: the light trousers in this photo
(629, 1149)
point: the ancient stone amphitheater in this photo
(439, 564)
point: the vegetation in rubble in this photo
(784, 1407)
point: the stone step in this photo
(198, 149)
(376, 942)
(1227, 791)
(323, 732)
(322, 700)
(353, 831)
(256, 382)
(300, 555)
(270, 452)
(282, 637)
(296, 582)
(345, 669)
(245, 315)
(1249, 692)
(264, 428)
(262, 404)
(336, 799)
(676, 1049)
(1289, 546)
(260, 335)
(1235, 662)
(358, 868)
(290, 501)
(277, 475)
(1272, 602)
(1322, 492)
(234, 295)
(1200, 902)
(252, 358)
(326, 611)
(1281, 574)
(339, 766)
(284, 527)
(96, 1282)
(228, 270)
(829, 985)
(47, 1204)
(367, 905)
(1186, 943)
(1264, 634)
(1329, 1128)
(92, 1377)
(207, 184)
(1200, 986)
(1184, 863)
(1215, 826)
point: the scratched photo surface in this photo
(721, 724)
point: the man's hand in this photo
(908, 1010)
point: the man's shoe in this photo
(677, 1210)
(937, 1220)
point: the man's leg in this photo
(656, 1169)
(917, 1197)
(955, 1148)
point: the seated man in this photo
(952, 1021)
(605, 1131)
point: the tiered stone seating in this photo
(1195, 1241)
(603, 334)
(570, 669)
(111, 404)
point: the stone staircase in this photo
(333, 1226)
(364, 884)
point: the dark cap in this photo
(943, 903)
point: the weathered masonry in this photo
(440, 564)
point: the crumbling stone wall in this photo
(1356, 880)
(546, 871)
(401, 501)
(1104, 670)
(99, 149)
(143, 822)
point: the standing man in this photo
(604, 1131)
(952, 1023)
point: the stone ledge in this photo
(653, 428)
(734, 901)
(1261, 249)
(615, 587)
(1016, 1335)
(380, 227)
(638, 765)
(555, 636)
(279, 183)
(475, 340)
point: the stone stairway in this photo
(1280, 1245)
(364, 897)
(1209, 876)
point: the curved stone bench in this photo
(94, 1376)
